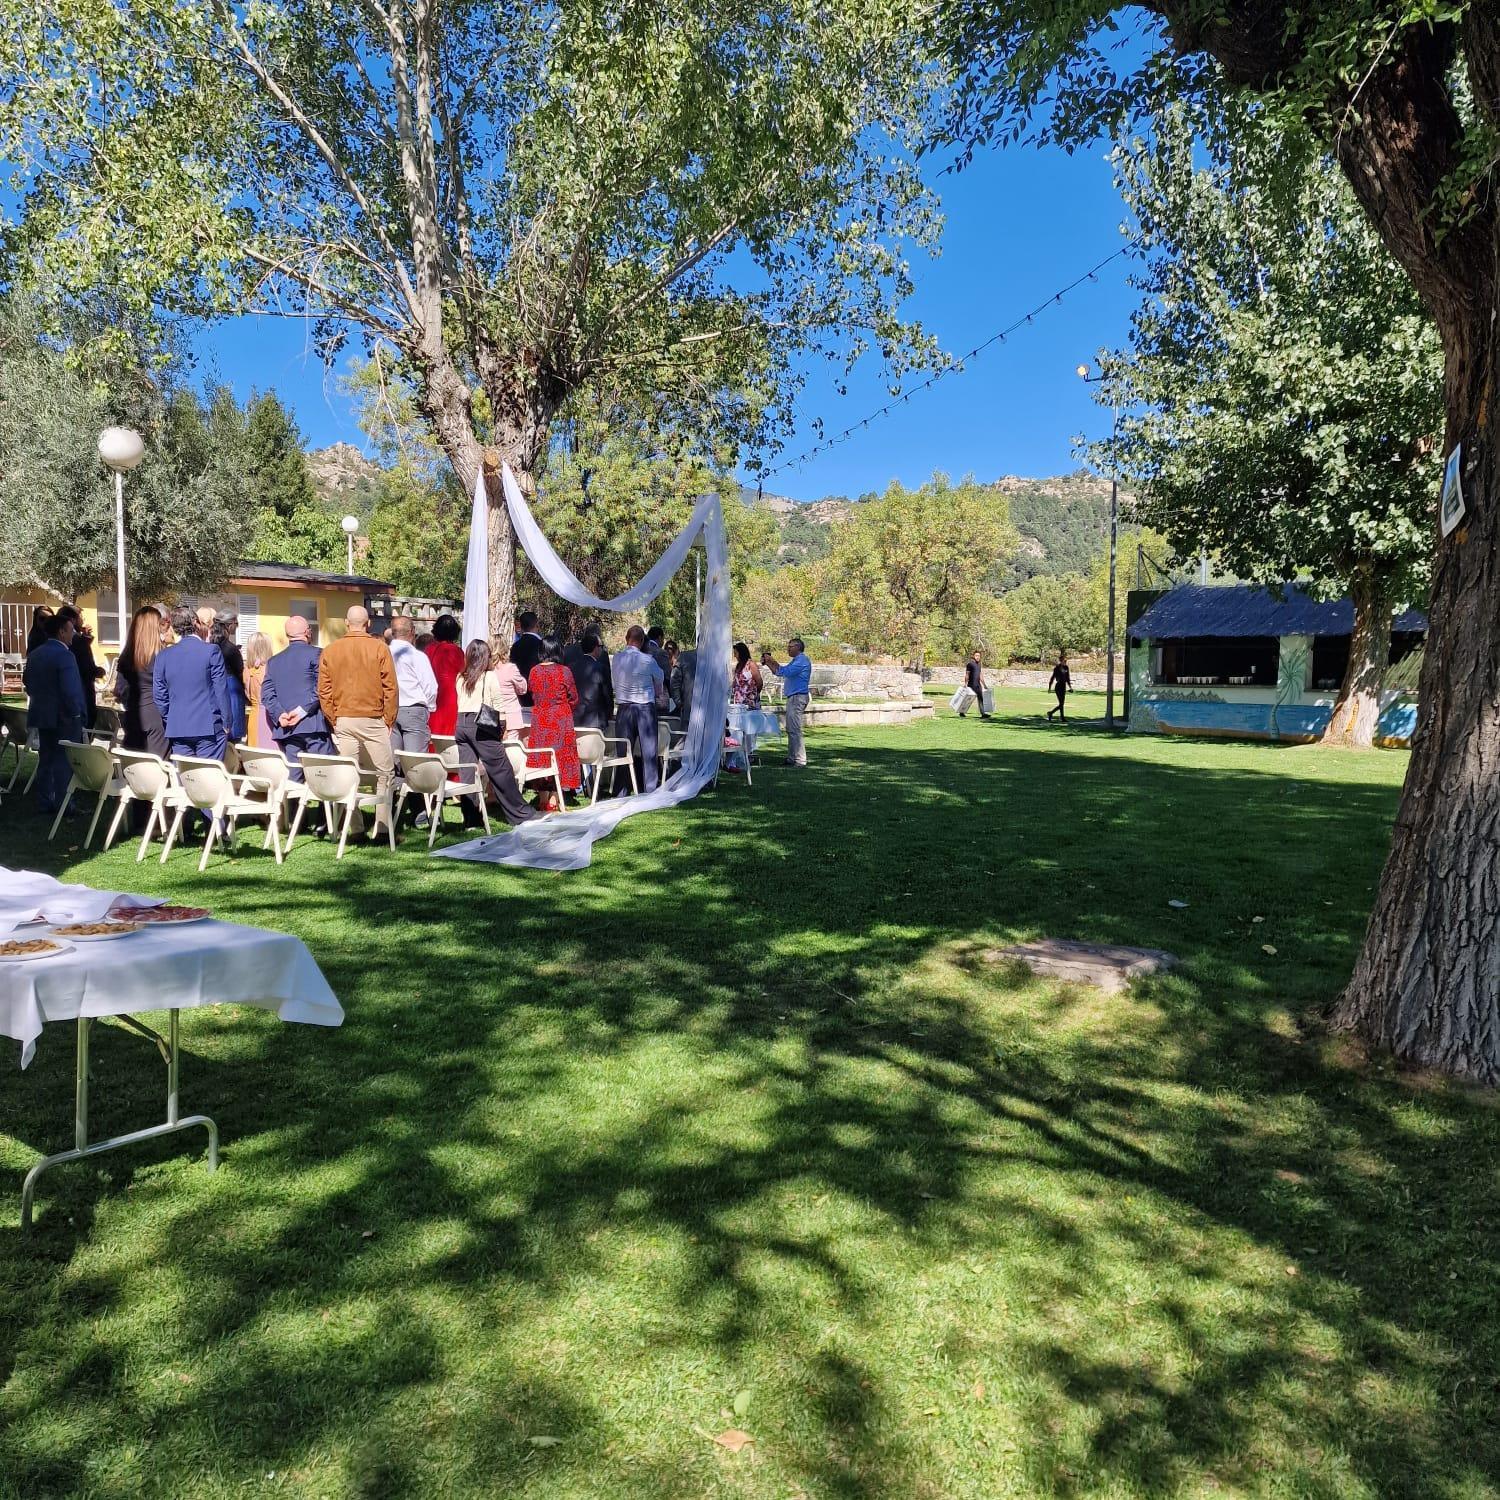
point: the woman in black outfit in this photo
(36, 635)
(481, 696)
(1061, 683)
(135, 676)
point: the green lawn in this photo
(736, 1129)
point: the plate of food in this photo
(94, 932)
(18, 950)
(159, 916)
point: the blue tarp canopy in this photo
(1240, 609)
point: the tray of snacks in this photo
(94, 932)
(158, 916)
(18, 950)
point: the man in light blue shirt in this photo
(796, 683)
(636, 680)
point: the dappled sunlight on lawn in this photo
(739, 1128)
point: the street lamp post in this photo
(122, 449)
(1114, 544)
(350, 525)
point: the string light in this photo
(957, 365)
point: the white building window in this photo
(308, 609)
(110, 631)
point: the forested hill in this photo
(1063, 521)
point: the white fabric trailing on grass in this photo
(565, 841)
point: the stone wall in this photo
(1031, 677)
(893, 684)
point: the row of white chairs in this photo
(257, 784)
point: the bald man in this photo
(358, 692)
(289, 696)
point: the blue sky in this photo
(1021, 223)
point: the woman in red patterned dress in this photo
(447, 658)
(554, 696)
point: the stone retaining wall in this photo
(1030, 677)
(834, 680)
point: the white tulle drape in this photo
(565, 841)
(477, 571)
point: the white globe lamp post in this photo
(122, 449)
(350, 525)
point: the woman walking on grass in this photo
(1060, 683)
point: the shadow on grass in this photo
(745, 1104)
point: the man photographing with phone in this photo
(796, 683)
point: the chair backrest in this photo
(515, 753)
(205, 782)
(591, 746)
(424, 772)
(145, 775)
(267, 769)
(331, 778)
(14, 719)
(91, 764)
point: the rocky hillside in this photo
(341, 473)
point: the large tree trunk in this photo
(1357, 711)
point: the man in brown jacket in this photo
(358, 695)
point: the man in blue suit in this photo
(289, 696)
(54, 707)
(191, 690)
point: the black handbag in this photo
(488, 718)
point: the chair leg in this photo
(291, 837)
(274, 829)
(62, 807)
(401, 801)
(432, 802)
(344, 835)
(390, 823)
(598, 780)
(635, 785)
(172, 835)
(156, 810)
(98, 808)
(114, 822)
(208, 842)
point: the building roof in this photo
(1241, 609)
(275, 572)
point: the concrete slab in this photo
(1107, 966)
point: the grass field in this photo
(738, 1130)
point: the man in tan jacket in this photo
(358, 695)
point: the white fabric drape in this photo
(565, 841)
(477, 569)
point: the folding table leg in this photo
(82, 1148)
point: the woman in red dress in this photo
(447, 658)
(554, 696)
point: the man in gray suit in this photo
(596, 694)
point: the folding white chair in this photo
(334, 781)
(16, 738)
(603, 753)
(670, 749)
(516, 752)
(208, 786)
(150, 779)
(425, 775)
(269, 772)
(93, 770)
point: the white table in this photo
(749, 724)
(170, 968)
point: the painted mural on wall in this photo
(1287, 711)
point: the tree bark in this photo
(1357, 711)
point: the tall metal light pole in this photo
(350, 525)
(1114, 544)
(122, 449)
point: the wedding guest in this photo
(596, 699)
(796, 684)
(424, 640)
(746, 683)
(289, 698)
(190, 689)
(37, 634)
(89, 671)
(135, 677)
(527, 650)
(257, 723)
(447, 659)
(357, 688)
(54, 707)
(222, 629)
(637, 678)
(554, 696)
(676, 700)
(416, 688)
(656, 650)
(488, 696)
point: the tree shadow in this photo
(746, 1102)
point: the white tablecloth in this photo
(26, 896)
(755, 722)
(165, 968)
